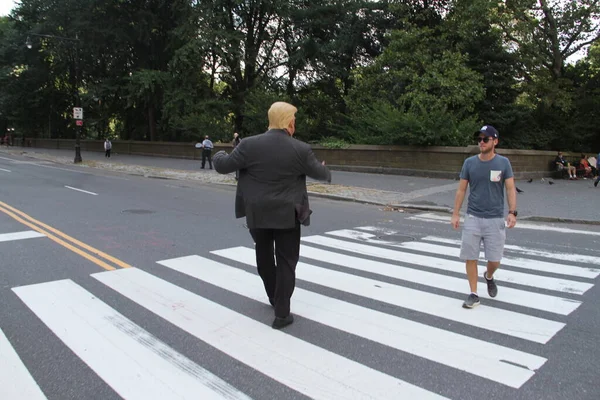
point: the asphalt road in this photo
(88, 313)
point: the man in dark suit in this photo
(271, 194)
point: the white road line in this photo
(497, 363)
(520, 278)
(5, 170)
(304, 367)
(494, 319)
(15, 380)
(535, 265)
(129, 359)
(80, 190)
(518, 297)
(7, 237)
(575, 258)
(429, 217)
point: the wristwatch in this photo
(513, 212)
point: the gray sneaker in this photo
(491, 284)
(471, 301)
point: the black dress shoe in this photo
(279, 323)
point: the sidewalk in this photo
(562, 201)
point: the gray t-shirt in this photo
(486, 185)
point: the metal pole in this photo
(78, 101)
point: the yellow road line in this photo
(91, 249)
(59, 241)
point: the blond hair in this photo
(281, 114)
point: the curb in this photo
(379, 203)
(535, 218)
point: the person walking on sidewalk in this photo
(107, 148)
(207, 147)
(271, 194)
(487, 174)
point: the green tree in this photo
(418, 92)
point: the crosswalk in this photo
(539, 289)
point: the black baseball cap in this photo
(488, 130)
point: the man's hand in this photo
(323, 162)
(511, 221)
(455, 221)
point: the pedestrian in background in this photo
(107, 148)
(486, 175)
(207, 147)
(271, 194)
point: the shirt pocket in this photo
(495, 176)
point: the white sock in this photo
(475, 293)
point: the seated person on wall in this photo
(585, 167)
(562, 164)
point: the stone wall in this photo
(442, 162)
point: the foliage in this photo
(360, 71)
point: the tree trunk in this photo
(552, 34)
(290, 84)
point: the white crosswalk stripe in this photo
(528, 264)
(554, 255)
(15, 380)
(361, 265)
(538, 301)
(494, 319)
(7, 237)
(306, 368)
(488, 360)
(134, 363)
(537, 281)
(430, 217)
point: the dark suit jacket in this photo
(271, 190)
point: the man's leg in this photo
(492, 266)
(209, 158)
(472, 275)
(265, 259)
(469, 252)
(203, 158)
(287, 252)
(494, 237)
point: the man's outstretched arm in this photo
(228, 163)
(315, 169)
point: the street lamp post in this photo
(77, 97)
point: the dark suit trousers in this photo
(277, 253)
(205, 156)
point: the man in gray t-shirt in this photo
(486, 174)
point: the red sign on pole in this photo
(79, 122)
